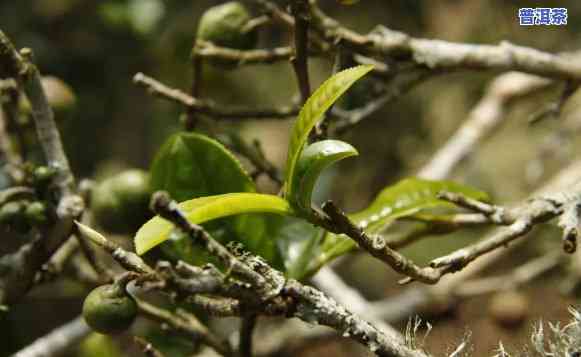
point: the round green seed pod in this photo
(43, 175)
(108, 309)
(13, 214)
(36, 213)
(120, 203)
(224, 25)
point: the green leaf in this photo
(408, 197)
(200, 210)
(298, 242)
(405, 198)
(192, 165)
(314, 159)
(312, 112)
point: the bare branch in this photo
(11, 159)
(437, 54)
(21, 267)
(300, 11)
(486, 116)
(57, 341)
(216, 112)
(377, 246)
(519, 276)
(414, 299)
(209, 51)
(187, 324)
(246, 332)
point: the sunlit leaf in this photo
(200, 210)
(407, 197)
(312, 112)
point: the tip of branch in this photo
(160, 202)
(91, 234)
(138, 77)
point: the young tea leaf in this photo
(314, 159)
(312, 112)
(200, 210)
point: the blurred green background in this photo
(97, 47)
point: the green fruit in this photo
(10, 210)
(97, 345)
(36, 213)
(224, 25)
(42, 175)
(120, 203)
(108, 309)
(12, 214)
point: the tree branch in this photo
(19, 269)
(267, 291)
(300, 12)
(11, 158)
(186, 324)
(208, 108)
(57, 341)
(246, 332)
(437, 54)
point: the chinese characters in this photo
(556, 16)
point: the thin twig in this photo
(554, 109)
(300, 12)
(187, 324)
(246, 332)
(377, 246)
(210, 51)
(197, 67)
(208, 108)
(11, 158)
(57, 341)
(519, 276)
(486, 116)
